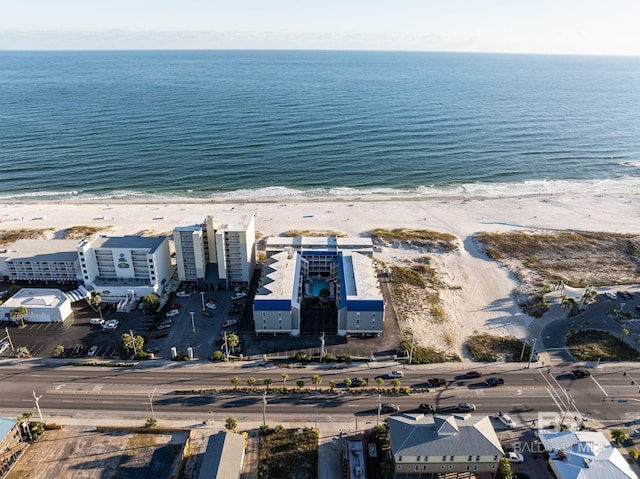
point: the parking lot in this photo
(78, 336)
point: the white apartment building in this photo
(217, 253)
(125, 267)
(41, 260)
(43, 305)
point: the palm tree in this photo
(316, 380)
(96, 302)
(380, 382)
(365, 383)
(231, 424)
(233, 340)
(347, 382)
(251, 382)
(58, 351)
(235, 381)
(284, 377)
(332, 384)
(395, 383)
(300, 383)
(268, 382)
(18, 314)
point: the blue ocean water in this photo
(237, 124)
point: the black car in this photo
(493, 382)
(581, 373)
(388, 408)
(161, 334)
(235, 311)
(437, 382)
(355, 382)
(473, 374)
(427, 408)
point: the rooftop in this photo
(43, 250)
(36, 298)
(149, 243)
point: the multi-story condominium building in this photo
(428, 446)
(309, 289)
(40, 260)
(217, 253)
(125, 267)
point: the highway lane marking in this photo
(601, 388)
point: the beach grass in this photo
(487, 347)
(79, 232)
(576, 258)
(286, 453)
(11, 236)
(593, 345)
(315, 233)
(434, 240)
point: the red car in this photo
(175, 306)
(474, 374)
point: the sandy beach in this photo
(480, 297)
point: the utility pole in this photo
(411, 349)
(524, 345)
(6, 330)
(226, 346)
(533, 348)
(133, 342)
(153, 416)
(322, 346)
(264, 409)
(378, 407)
(37, 400)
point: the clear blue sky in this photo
(520, 26)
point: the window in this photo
(442, 467)
(399, 458)
(417, 468)
(450, 466)
(475, 467)
(418, 459)
(493, 466)
(444, 458)
(495, 458)
(426, 458)
(470, 458)
(477, 458)
(451, 459)
(424, 468)
(468, 468)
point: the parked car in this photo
(161, 334)
(235, 311)
(166, 321)
(183, 294)
(208, 314)
(515, 457)
(141, 305)
(111, 324)
(395, 374)
(506, 420)
(229, 322)
(175, 306)
(493, 382)
(153, 349)
(77, 349)
(97, 321)
(388, 408)
(581, 373)
(92, 351)
(437, 382)
(211, 306)
(172, 312)
(162, 326)
(4, 345)
(466, 407)
(474, 374)
(610, 295)
(238, 296)
(427, 408)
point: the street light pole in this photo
(193, 325)
(133, 342)
(379, 406)
(153, 416)
(264, 409)
(37, 400)
(533, 348)
(202, 295)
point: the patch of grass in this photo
(285, 453)
(427, 355)
(79, 232)
(434, 240)
(315, 233)
(591, 345)
(491, 348)
(574, 257)
(11, 236)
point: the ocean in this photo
(284, 124)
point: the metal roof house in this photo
(426, 446)
(223, 457)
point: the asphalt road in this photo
(121, 392)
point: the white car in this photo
(515, 457)
(92, 351)
(183, 294)
(610, 295)
(506, 420)
(111, 324)
(211, 306)
(238, 296)
(172, 312)
(229, 322)
(395, 374)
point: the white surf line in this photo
(601, 388)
